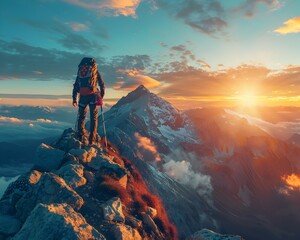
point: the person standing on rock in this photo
(86, 85)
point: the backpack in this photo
(87, 76)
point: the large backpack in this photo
(87, 75)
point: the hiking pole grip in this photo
(104, 129)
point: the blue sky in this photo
(157, 43)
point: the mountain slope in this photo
(142, 113)
(76, 191)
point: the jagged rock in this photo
(92, 152)
(56, 221)
(48, 158)
(68, 141)
(90, 177)
(99, 161)
(50, 189)
(9, 225)
(72, 174)
(105, 165)
(125, 232)
(69, 158)
(80, 154)
(23, 184)
(84, 155)
(148, 221)
(133, 222)
(152, 212)
(113, 210)
(34, 177)
(206, 234)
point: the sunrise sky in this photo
(191, 52)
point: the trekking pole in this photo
(76, 123)
(104, 129)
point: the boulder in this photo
(50, 189)
(105, 165)
(48, 158)
(23, 184)
(80, 154)
(152, 212)
(72, 174)
(68, 141)
(124, 232)
(69, 158)
(113, 210)
(9, 225)
(84, 155)
(206, 234)
(56, 221)
(148, 221)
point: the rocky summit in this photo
(80, 191)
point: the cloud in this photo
(203, 64)
(23, 61)
(68, 35)
(210, 16)
(132, 78)
(291, 26)
(291, 183)
(249, 7)
(77, 27)
(109, 7)
(10, 119)
(230, 82)
(182, 172)
(24, 122)
(145, 144)
(42, 120)
(204, 16)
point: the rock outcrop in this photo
(56, 221)
(77, 191)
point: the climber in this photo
(86, 84)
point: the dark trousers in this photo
(90, 101)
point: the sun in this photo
(247, 99)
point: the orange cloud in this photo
(106, 7)
(146, 144)
(292, 181)
(290, 26)
(280, 87)
(135, 78)
(10, 119)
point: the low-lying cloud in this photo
(182, 172)
(147, 146)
